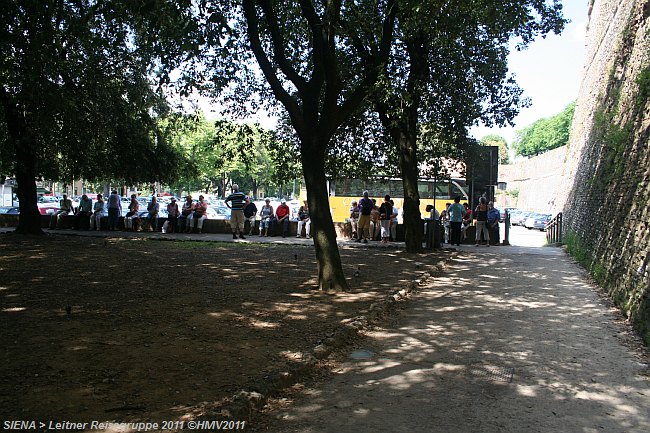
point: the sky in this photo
(549, 72)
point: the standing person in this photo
(186, 213)
(114, 209)
(365, 209)
(467, 220)
(304, 220)
(98, 213)
(385, 212)
(65, 208)
(131, 219)
(250, 212)
(456, 213)
(83, 211)
(354, 220)
(195, 223)
(480, 213)
(444, 217)
(374, 221)
(282, 214)
(493, 217)
(267, 218)
(237, 199)
(152, 216)
(171, 225)
(393, 222)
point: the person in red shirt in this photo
(282, 214)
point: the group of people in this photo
(189, 219)
(270, 219)
(369, 221)
(457, 218)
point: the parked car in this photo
(218, 212)
(517, 219)
(9, 210)
(537, 221)
(48, 208)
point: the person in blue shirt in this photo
(456, 212)
(493, 217)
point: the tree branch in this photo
(283, 96)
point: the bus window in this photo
(425, 189)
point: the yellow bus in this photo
(434, 192)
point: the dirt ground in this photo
(124, 330)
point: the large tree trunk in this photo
(410, 172)
(30, 218)
(330, 269)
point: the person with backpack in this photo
(365, 208)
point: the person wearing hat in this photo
(267, 218)
(171, 225)
(235, 201)
(282, 216)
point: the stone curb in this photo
(241, 405)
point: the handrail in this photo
(554, 230)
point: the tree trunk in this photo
(30, 218)
(330, 269)
(410, 173)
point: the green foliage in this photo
(545, 134)
(222, 152)
(576, 248)
(497, 140)
(643, 94)
(78, 98)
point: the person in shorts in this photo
(235, 201)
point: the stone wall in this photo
(607, 203)
(532, 184)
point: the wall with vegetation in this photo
(606, 195)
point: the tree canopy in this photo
(501, 143)
(78, 96)
(545, 134)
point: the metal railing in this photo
(554, 230)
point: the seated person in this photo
(65, 208)
(266, 223)
(195, 223)
(132, 218)
(304, 221)
(171, 225)
(83, 212)
(98, 213)
(152, 216)
(186, 213)
(282, 215)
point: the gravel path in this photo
(512, 339)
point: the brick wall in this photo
(607, 203)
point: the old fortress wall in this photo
(605, 189)
(600, 181)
